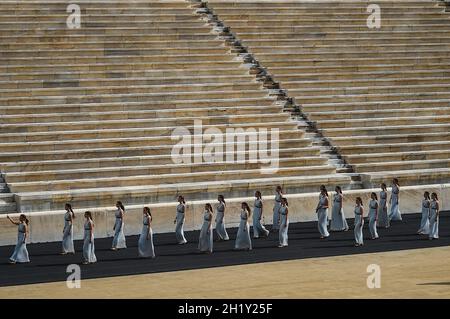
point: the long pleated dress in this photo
(119, 240)
(20, 254)
(359, 223)
(395, 210)
(258, 228)
(373, 218)
(338, 221)
(276, 213)
(284, 226)
(322, 216)
(243, 240)
(67, 241)
(434, 221)
(220, 222)
(179, 227)
(88, 244)
(424, 228)
(383, 218)
(146, 248)
(205, 240)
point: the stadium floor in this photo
(47, 266)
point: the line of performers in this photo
(378, 216)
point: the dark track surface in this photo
(47, 266)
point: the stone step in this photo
(117, 142)
(330, 4)
(101, 38)
(386, 130)
(394, 139)
(330, 34)
(120, 115)
(162, 106)
(370, 82)
(380, 122)
(130, 82)
(135, 157)
(101, 197)
(141, 170)
(124, 44)
(133, 97)
(62, 5)
(58, 60)
(124, 66)
(363, 65)
(163, 125)
(435, 157)
(117, 89)
(124, 151)
(124, 74)
(369, 149)
(379, 114)
(363, 76)
(375, 106)
(347, 98)
(158, 179)
(407, 177)
(347, 48)
(111, 52)
(257, 43)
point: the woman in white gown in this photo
(434, 217)
(373, 216)
(276, 207)
(424, 228)
(220, 219)
(383, 217)
(258, 228)
(88, 241)
(338, 221)
(119, 240)
(322, 212)
(205, 240)
(243, 240)
(359, 222)
(179, 221)
(395, 214)
(146, 248)
(67, 241)
(20, 254)
(284, 224)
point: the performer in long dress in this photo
(243, 240)
(20, 254)
(146, 248)
(359, 222)
(205, 240)
(383, 217)
(220, 219)
(179, 221)
(373, 216)
(119, 240)
(284, 224)
(338, 221)
(88, 242)
(434, 217)
(322, 212)
(258, 228)
(394, 201)
(424, 228)
(67, 241)
(276, 207)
